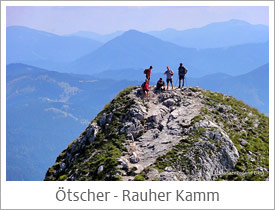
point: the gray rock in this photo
(168, 169)
(102, 120)
(221, 108)
(62, 166)
(165, 142)
(75, 147)
(243, 142)
(109, 118)
(91, 132)
(134, 158)
(168, 103)
(168, 176)
(123, 164)
(212, 135)
(153, 174)
(153, 119)
(76, 155)
(218, 136)
(135, 112)
(130, 137)
(243, 132)
(151, 147)
(100, 169)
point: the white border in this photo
(35, 195)
(136, 3)
(3, 93)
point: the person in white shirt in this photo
(169, 77)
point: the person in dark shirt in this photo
(160, 85)
(182, 72)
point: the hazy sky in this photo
(65, 20)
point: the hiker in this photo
(160, 85)
(145, 88)
(169, 77)
(148, 73)
(182, 72)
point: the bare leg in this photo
(179, 82)
(144, 95)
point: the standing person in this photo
(145, 88)
(148, 73)
(182, 72)
(169, 77)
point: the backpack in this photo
(171, 72)
(145, 71)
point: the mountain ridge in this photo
(95, 36)
(183, 134)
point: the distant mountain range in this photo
(39, 48)
(242, 47)
(45, 111)
(215, 35)
(136, 50)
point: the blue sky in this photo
(65, 20)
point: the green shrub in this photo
(63, 177)
(139, 177)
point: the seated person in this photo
(160, 85)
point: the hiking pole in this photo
(177, 81)
(185, 81)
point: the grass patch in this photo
(139, 177)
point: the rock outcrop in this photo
(182, 134)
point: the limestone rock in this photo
(134, 158)
(100, 169)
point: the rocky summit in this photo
(187, 134)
